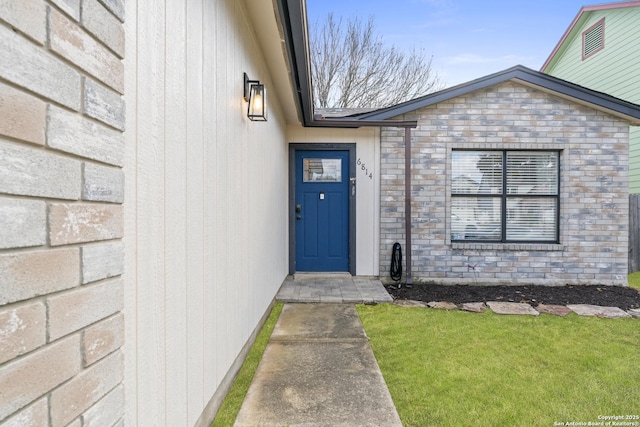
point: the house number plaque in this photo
(363, 168)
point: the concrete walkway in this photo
(318, 370)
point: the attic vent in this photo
(593, 39)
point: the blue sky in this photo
(467, 38)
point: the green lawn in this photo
(457, 368)
(634, 279)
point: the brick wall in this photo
(593, 189)
(62, 118)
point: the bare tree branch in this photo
(353, 68)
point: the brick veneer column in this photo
(61, 213)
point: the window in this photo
(325, 170)
(593, 39)
(505, 196)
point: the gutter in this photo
(352, 124)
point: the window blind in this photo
(505, 195)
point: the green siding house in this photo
(601, 50)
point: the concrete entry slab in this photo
(332, 288)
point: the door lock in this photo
(298, 208)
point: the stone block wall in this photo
(62, 117)
(594, 158)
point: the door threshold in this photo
(319, 274)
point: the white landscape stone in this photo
(598, 311)
(499, 307)
(409, 303)
(474, 307)
(443, 305)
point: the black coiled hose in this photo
(396, 262)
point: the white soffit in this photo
(262, 15)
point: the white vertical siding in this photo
(195, 199)
(175, 231)
(206, 204)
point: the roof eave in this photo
(524, 75)
(293, 18)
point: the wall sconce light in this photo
(255, 95)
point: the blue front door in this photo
(322, 210)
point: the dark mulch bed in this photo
(608, 296)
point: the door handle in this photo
(298, 208)
(298, 216)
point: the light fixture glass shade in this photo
(257, 109)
